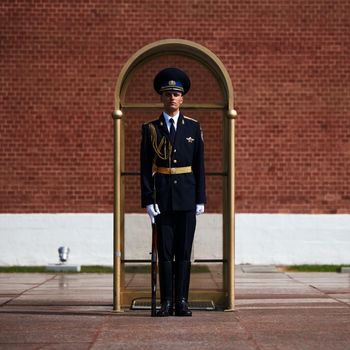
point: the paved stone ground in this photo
(274, 310)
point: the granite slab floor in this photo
(274, 310)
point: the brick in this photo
(288, 61)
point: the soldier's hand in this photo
(199, 209)
(152, 211)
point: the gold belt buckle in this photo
(172, 171)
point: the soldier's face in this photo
(172, 101)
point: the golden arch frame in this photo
(213, 63)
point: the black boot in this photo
(166, 288)
(182, 282)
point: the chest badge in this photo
(189, 139)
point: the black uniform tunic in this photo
(175, 194)
(177, 191)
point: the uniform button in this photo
(175, 161)
(174, 150)
(175, 182)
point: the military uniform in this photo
(172, 176)
(176, 191)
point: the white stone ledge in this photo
(33, 239)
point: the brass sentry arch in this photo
(212, 62)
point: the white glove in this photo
(199, 209)
(152, 211)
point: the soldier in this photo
(173, 187)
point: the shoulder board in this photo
(150, 121)
(191, 119)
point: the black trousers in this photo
(175, 235)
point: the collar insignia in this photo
(189, 139)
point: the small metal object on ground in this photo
(145, 304)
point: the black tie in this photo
(172, 130)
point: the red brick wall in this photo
(290, 67)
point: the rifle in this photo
(154, 269)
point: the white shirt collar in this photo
(167, 118)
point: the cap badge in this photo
(189, 139)
(172, 83)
